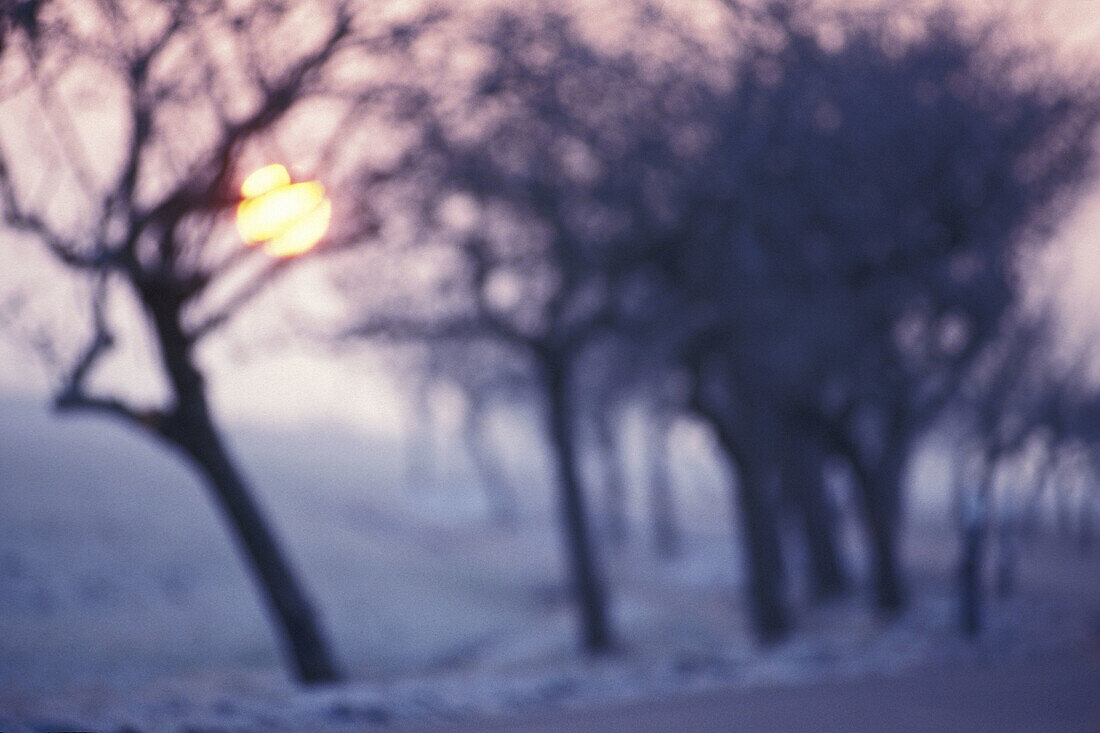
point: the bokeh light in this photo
(287, 218)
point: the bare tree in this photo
(194, 91)
(1032, 417)
(662, 502)
(611, 477)
(873, 198)
(527, 186)
(822, 241)
(488, 379)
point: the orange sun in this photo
(287, 218)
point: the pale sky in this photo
(293, 383)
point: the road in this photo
(1048, 693)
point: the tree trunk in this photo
(879, 492)
(662, 509)
(421, 446)
(190, 428)
(1029, 514)
(970, 575)
(1063, 513)
(806, 488)
(1031, 520)
(587, 586)
(302, 640)
(880, 499)
(1006, 555)
(611, 473)
(764, 553)
(763, 549)
(1086, 531)
(974, 529)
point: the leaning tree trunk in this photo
(191, 428)
(806, 489)
(287, 602)
(587, 586)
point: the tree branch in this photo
(239, 299)
(64, 250)
(189, 196)
(72, 395)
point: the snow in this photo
(124, 606)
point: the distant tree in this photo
(624, 385)
(488, 379)
(123, 138)
(852, 246)
(662, 501)
(527, 187)
(1004, 406)
(501, 494)
(1030, 419)
(605, 445)
(805, 495)
(820, 236)
(421, 454)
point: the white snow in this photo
(123, 604)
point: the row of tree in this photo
(808, 240)
(814, 257)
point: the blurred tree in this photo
(662, 504)
(1031, 416)
(612, 479)
(853, 243)
(624, 384)
(123, 130)
(526, 188)
(487, 378)
(819, 232)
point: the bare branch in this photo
(65, 250)
(101, 342)
(244, 295)
(64, 131)
(68, 402)
(201, 191)
(407, 330)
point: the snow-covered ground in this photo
(124, 606)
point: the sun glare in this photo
(287, 218)
(265, 179)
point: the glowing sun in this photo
(287, 218)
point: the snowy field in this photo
(123, 605)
